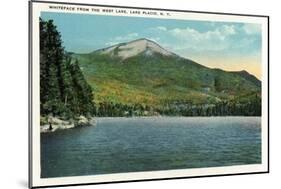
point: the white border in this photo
(37, 7)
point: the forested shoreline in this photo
(65, 93)
(224, 108)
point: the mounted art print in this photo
(121, 94)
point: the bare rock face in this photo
(134, 48)
(55, 123)
(82, 121)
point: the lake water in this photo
(117, 145)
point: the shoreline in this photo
(60, 124)
(148, 117)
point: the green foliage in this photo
(168, 86)
(138, 86)
(63, 89)
(218, 84)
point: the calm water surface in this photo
(118, 145)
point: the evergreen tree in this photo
(63, 89)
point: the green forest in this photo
(95, 84)
(64, 92)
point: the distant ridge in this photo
(249, 77)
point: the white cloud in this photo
(221, 38)
(120, 39)
(190, 38)
(252, 29)
(228, 30)
(127, 37)
(218, 34)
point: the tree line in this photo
(64, 91)
(251, 107)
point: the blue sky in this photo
(226, 45)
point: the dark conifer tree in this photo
(63, 89)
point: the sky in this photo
(226, 45)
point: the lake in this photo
(118, 145)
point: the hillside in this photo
(141, 73)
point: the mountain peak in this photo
(136, 47)
(143, 39)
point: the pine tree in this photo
(64, 91)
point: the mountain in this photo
(134, 48)
(142, 73)
(249, 77)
